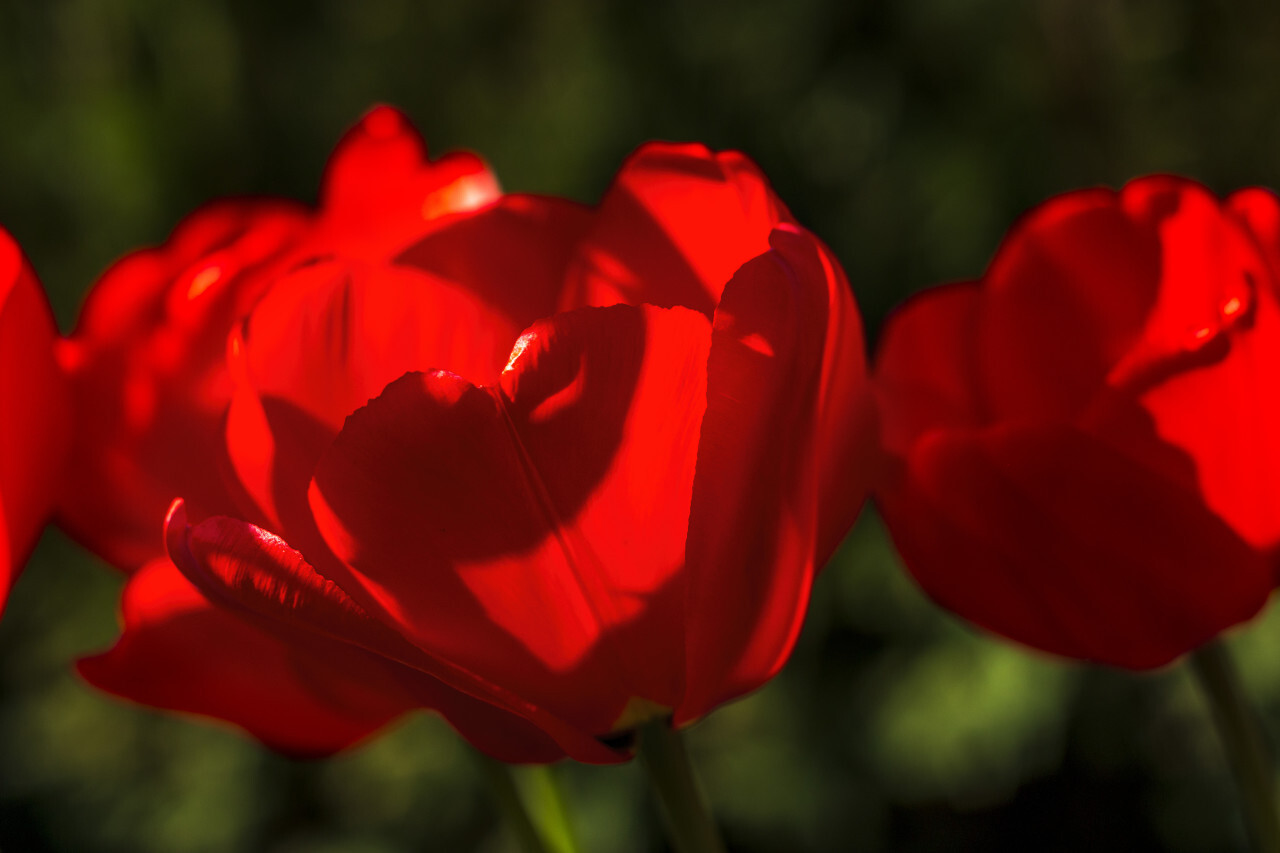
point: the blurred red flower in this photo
(1082, 444)
(390, 506)
(35, 419)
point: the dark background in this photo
(907, 134)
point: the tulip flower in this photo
(34, 421)
(1080, 447)
(1082, 443)
(551, 470)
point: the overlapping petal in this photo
(257, 575)
(325, 341)
(147, 358)
(525, 278)
(673, 228)
(539, 525)
(180, 652)
(757, 508)
(147, 369)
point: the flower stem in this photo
(547, 804)
(502, 787)
(689, 823)
(1243, 742)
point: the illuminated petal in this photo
(760, 500)
(676, 224)
(380, 192)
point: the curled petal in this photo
(178, 651)
(257, 575)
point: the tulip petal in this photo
(753, 527)
(1066, 297)
(1193, 411)
(258, 576)
(673, 228)
(1224, 414)
(1053, 538)
(182, 653)
(35, 424)
(379, 189)
(1258, 210)
(533, 533)
(147, 367)
(926, 366)
(320, 345)
(524, 278)
(1099, 292)
(845, 448)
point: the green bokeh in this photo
(907, 134)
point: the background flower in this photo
(1081, 441)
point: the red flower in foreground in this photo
(1084, 442)
(33, 412)
(445, 479)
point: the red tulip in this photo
(447, 480)
(33, 413)
(1082, 443)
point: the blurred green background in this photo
(907, 134)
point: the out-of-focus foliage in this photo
(908, 134)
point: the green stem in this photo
(505, 793)
(549, 808)
(689, 823)
(1243, 742)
